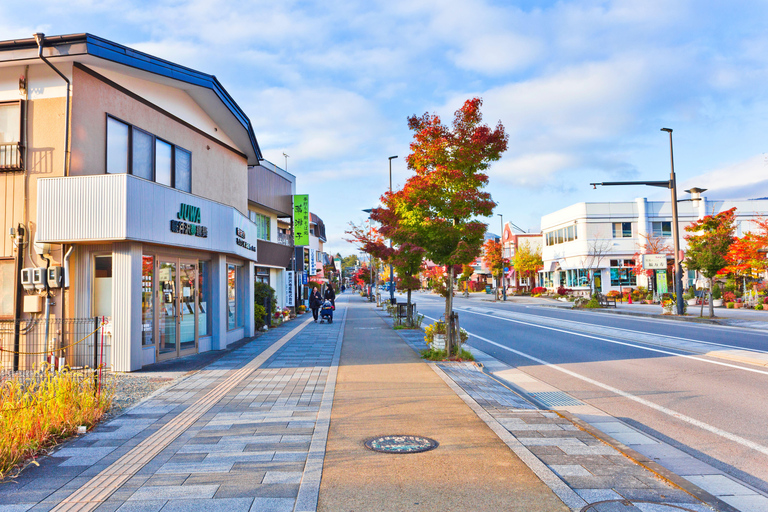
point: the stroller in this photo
(326, 311)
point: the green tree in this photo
(494, 261)
(708, 245)
(442, 200)
(527, 260)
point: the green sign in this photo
(661, 281)
(301, 220)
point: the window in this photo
(577, 277)
(147, 303)
(163, 161)
(117, 146)
(622, 230)
(661, 229)
(10, 135)
(562, 235)
(143, 165)
(204, 298)
(7, 287)
(131, 150)
(623, 277)
(182, 169)
(234, 318)
(263, 225)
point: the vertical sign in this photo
(312, 263)
(301, 220)
(661, 281)
(289, 293)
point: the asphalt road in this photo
(712, 409)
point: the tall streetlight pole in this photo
(503, 284)
(671, 184)
(391, 274)
(675, 228)
(372, 288)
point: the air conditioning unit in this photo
(55, 275)
(26, 279)
(39, 278)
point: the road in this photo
(709, 408)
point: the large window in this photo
(134, 151)
(622, 273)
(147, 300)
(204, 299)
(660, 229)
(622, 230)
(263, 225)
(7, 287)
(562, 235)
(577, 277)
(234, 318)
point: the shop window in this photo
(660, 229)
(622, 230)
(163, 160)
(182, 169)
(623, 277)
(147, 300)
(102, 286)
(117, 146)
(204, 299)
(234, 318)
(7, 287)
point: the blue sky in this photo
(582, 87)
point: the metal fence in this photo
(78, 343)
(10, 156)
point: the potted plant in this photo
(717, 296)
(690, 296)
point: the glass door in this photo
(167, 321)
(187, 307)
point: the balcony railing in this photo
(285, 239)
(11, 156)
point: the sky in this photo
(581, 87)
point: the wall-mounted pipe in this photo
(66, 266)
(40, 39)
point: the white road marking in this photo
(682, 417)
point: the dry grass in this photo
(38, 412)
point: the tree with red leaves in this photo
(441, 201)
(493, 260)
(744, 258)
(652, 245)
(708, 245)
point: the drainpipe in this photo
(21, 233)
(40, 39)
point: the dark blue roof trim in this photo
(114, 52)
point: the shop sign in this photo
(301, 220)
(189, 222)
(661, 281)
(289, 293)
(312, 262)
(655, 261)
(240, 240)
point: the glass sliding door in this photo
(167, 311)
(187, 308)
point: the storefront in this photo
(173, 272)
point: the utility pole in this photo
(391, 274)
(503, 284)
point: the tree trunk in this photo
(711, 306)
(448, 311)
(408, 312)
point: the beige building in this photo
(133, 189)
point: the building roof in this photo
(205, 89)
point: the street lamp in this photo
(372, 287)
(671, 184)
(503, 287)
(391, 274)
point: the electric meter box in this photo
(39, 278)
(54, 277)
(26, 279)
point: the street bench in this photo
(606, 302)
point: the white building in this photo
(600, 240)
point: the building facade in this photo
(596, 244)
(511, 241)
(142, 181)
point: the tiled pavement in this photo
(257, 448)
(594, 471)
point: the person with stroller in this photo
(330, 294)
(315, 302)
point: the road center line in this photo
(682, 417)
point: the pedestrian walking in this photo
(315, 301)
(330, 294)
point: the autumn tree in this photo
(708, 245)
(466, 273)
(527, 261)
(442, 200)
(744, 256)
(493, 260)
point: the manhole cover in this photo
(401, 444)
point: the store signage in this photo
(240, 240)
(655, 261)
(289, 293)
(301, 220)
(661, 281)
(189, 222)
(312, 262)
